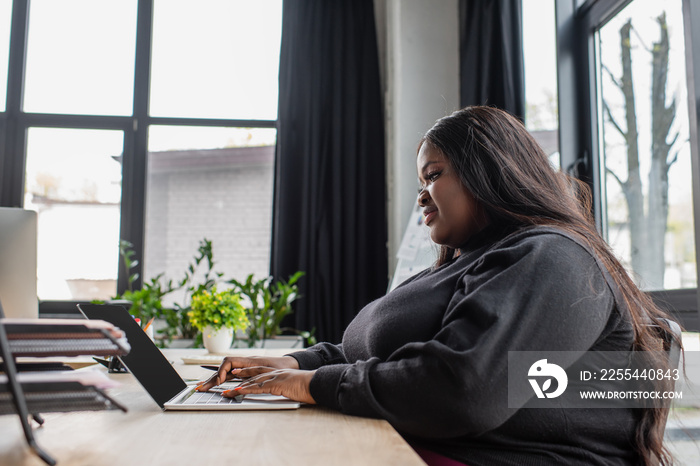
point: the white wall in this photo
(419, 49)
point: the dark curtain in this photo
(491, 54)
(330, 202)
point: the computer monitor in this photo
(18, 246)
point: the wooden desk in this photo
(148, 436)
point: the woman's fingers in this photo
(244, 367)
(220, 376)
(234, 367)
(248, 372)
(291, 383)
(211, 382)
(256, 385)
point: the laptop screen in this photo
(145, 361)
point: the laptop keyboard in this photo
(211, 398)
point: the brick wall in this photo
(224, 195)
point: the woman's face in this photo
(449, 209)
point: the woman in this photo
(521, 268)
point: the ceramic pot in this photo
(217, 341)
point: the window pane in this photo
(539, 52)
(80, 57)
(73, 182)
(5, 20)
(213, 183)
(647, 193)
(216, 58)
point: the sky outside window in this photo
(539, 49)
(215, 59)
(80, 57)
(78, 230)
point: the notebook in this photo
(158, 377)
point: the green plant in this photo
(217, 309)
(254, 291)
(269, 302)
(146, 302)
(281, 295)
(177, 317)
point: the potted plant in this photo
(217, 314)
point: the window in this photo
(5, 17)
(149, 121)
(216, 59)
(539, 50)
(78, 210)
(645, 152)
(629, 130)
(213, 183)
(84, 63)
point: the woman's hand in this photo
(292, 383)
(237, 367)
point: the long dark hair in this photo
(507, 171)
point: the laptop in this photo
(155, 373)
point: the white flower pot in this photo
(217, 341)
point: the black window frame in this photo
(14, 124)
(578, 130)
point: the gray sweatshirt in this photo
(431, 356)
